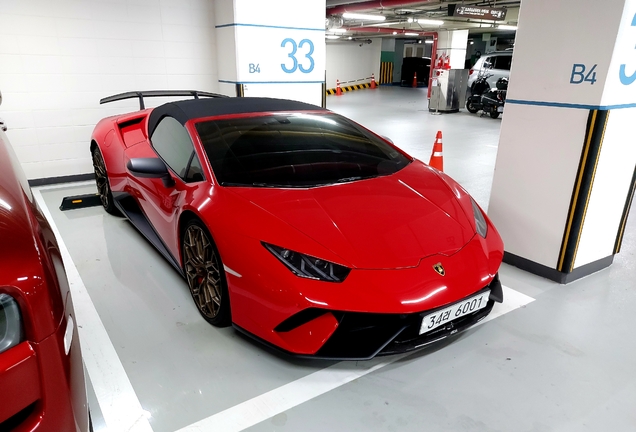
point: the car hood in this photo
(386, 222)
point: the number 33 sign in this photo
(280, 55)
(625, 79)
(292, 55)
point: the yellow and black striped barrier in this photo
(386, 73)
(349, 88)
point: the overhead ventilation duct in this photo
(333, 22)
(386, 30)
(371, 5)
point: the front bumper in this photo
(36, 393)
(362, 336)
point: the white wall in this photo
(388, 44)
(347, 60)
(58, 58)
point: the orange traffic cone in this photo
(338, 90)
(414, 79)
(372, 81)
(437, 158)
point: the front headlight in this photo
(10, 323)
(307, 266)
(480, 220)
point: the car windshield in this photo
(295, 150)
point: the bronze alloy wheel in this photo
(101, 179)
(202, 267)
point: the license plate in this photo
(499, 109)
(458, 310)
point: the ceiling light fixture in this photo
(338, 30)
(411, 34)
(428, 41)
(332, 37)
(506, 27)
(364, 17)
(394, 33)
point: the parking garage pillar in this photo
(273, 48)
(453, 44)
(565, 172)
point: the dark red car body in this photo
(42, 387)
(390, 231)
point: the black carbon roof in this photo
(190, 109)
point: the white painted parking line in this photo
(267, 405)
(117, 398)
(66, 185)
(512, 300)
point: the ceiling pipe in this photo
(334, 3)
(389, 31)
(372, 5)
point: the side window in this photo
(488, 63)
(503, 62)
(195, 173)
(172, 142)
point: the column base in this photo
(553, 274)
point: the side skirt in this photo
(129, 208)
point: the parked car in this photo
(410, 65)
(3, 127)
(42, 386)
(298, 226)
(496, 64)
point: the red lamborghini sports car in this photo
(42, 386)
(298, 226)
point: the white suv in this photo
(496, 64)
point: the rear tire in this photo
(205, 275)
(103, 185)
(494, 114)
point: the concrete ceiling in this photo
(403, 16)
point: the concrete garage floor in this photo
(563, 362)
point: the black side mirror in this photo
(150, 168)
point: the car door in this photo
(475, 72)
(161, 203)
(488, 68)
(501, 67)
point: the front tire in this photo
(470, 107)
(204, 272)
(103, 185)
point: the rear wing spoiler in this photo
(158, 93)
